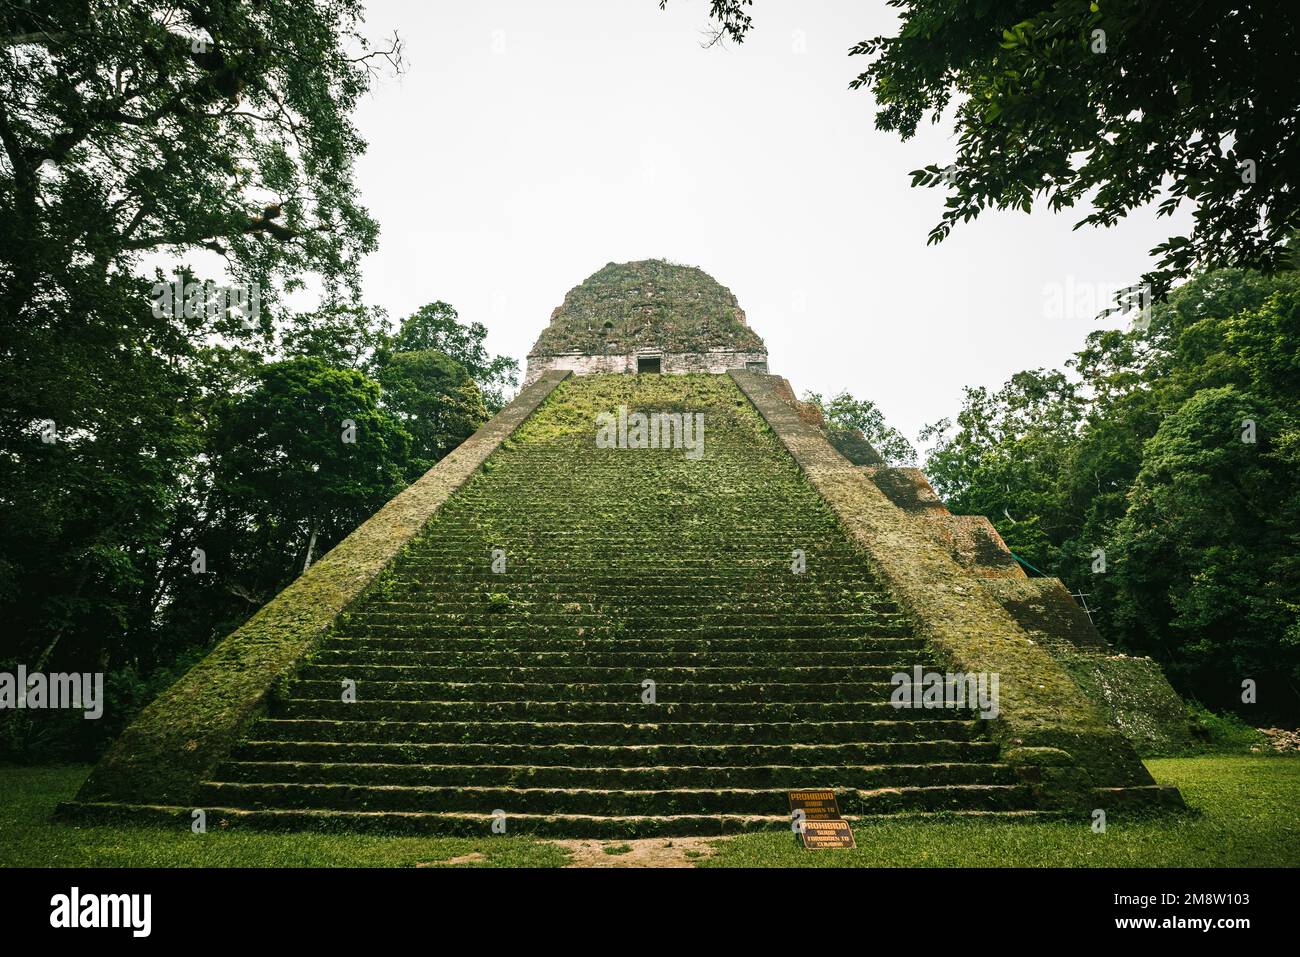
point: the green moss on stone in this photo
(1041, 704)
(653, 303)
(190, 728)
(1138, 699)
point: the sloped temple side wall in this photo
(1059, 738)
(190, 728)
(1133, 692)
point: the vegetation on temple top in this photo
(652, 303)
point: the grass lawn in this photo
(1248, 817)
(28, 838)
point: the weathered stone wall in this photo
(189, 729)
(715, 361)
(651, 305)
(1046, 610)
(1137, 697)
(1133, 692)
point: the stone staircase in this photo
(523, 691)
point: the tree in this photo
(156, 126)
(344, 335)
(1200, 546)
(436, 401)
(845, 414)
(297, 463)
(150, 129)
(1114, 103)
(1172, 456)
(1010, 458)
(437, 326)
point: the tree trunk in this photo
(311, 547)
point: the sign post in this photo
(817, 821)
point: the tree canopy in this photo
(1160, 476)
(1115, 104)
(176, 444)
(843, 413)
(437, 326)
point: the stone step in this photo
(648, 644)
(506, 627)
(684, 549)
(414, 654)
(546, 615)
(636, 590)
(617, 778)
(377, 668)
(631, 711)
(613, 732)
(599, 802)
(740, 691)
(616, 755)
(706, 575)
(739, 599)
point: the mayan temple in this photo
(594, 638)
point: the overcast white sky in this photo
(533, 141)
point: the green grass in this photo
(1247, 817)
(31, 839)
(1226, 732)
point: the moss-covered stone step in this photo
(686, 619)
(877, 691)
(618, 778)
(579, 658)
(613, 732)
(588, 800)
(744, 591)
(344, 797)
(460, 603)
(631, 710)
(373, 669)
(603, 577)
(641, 643)
(454, 824)
(574, 654)
(775, 546)
(595, 561)
(508, 628)
(650, 537)
(551, 625)
(608, 583)
(646, 594)
(609, 755)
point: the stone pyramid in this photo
(568, 636)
